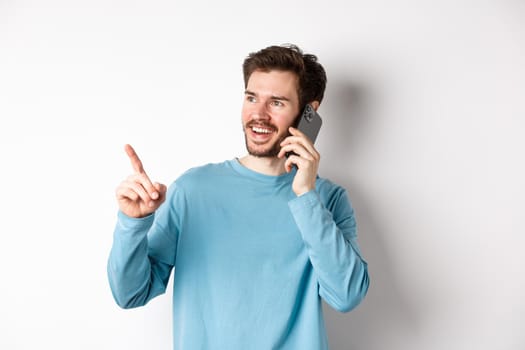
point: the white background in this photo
(423, 124)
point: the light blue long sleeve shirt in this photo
(251, 259)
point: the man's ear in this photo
(315, 105)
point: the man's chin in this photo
(271, 153)
(263, 152)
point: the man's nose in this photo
(260, 111)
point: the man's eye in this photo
(277, 103)
(250, 98)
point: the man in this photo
(256, 242)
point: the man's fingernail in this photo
(155, 195)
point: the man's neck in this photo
(264, 165)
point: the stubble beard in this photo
(270, 152)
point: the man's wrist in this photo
(303, 191)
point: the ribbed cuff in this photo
(135, 224)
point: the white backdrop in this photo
(423, 124)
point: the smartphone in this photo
(309, 123)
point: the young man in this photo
(256, 242)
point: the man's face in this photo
(270, 106)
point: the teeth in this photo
(261, 130)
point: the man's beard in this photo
(271, 152)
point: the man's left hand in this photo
(306, 159)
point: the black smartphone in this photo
(309, 123)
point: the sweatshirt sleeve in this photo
(331, 241)
(142, 256)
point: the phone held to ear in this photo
(309, 123)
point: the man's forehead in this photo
(276, 74)
(273, 83)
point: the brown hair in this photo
(311, 75)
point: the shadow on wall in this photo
(386, 313)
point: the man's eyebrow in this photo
(273, 97)
(280, 98)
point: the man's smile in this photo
(261, 130)
(260, 133)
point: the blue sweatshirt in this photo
(251, 260)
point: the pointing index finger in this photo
(139, 169)
(135, 160)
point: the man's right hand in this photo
(137, 196)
